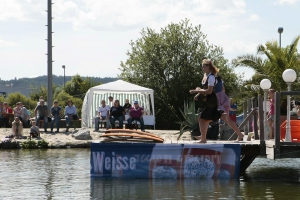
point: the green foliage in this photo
(169, 62)
(63, 98)
(190, 122)
(38, 92)
(272, 63)
(78, 86)
(29, 144)
(42, 143)
(13, 98)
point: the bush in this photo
(29, 144)
(42, 143)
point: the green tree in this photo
(78, 86)
(271, 61)
(13, 98)
(169, 62)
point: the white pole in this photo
(288, 117)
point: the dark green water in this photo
(64, 174)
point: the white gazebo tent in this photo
(120, 90)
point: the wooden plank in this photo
(247, 118)
(130, 131)
(290, 151)
(131, 135)
(289, 93)
(246, 160)
(250, 149)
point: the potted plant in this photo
(190, 122)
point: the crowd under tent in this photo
(120, 90)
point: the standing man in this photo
(103, 113)
(136, 113)
(42, 109)
(110, 101)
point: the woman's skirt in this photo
(212, 114)
(223, 102)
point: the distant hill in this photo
(42, 80)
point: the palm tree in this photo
(270, 61)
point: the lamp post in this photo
(64, 67)
(280, 30)
(289, 76)
(265, 84)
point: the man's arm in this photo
(35, 111)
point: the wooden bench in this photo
(135, 123)
(73, 123)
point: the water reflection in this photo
(65, 174)
(163, 189)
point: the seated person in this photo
(41, 98)
(17, 127)
(25, 117)
(103, 113)
(136, 113)
(34, 130)
(6, 110)
(127, 106)
(117, 113)
(70, 114)
(42, 110)
(1, 108)
(55, 116)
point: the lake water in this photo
(64, 174)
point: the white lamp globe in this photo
(289, 75)
(265, 84)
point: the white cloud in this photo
(4, 43)
(121, 15)
(289, 2)
(254, 17)
(241, 46)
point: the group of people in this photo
(117, 113)
(55, 115)
(22, 117)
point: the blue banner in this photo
(171, 161)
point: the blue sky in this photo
(92, 36)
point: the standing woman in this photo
(210, 112)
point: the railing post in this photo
(277, 125)
(249, 103)
(254, 100)
(261, 118)
(245, 115)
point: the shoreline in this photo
(66, 140)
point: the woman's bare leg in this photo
(203, 125)
(14, 129)
(20, 130)
(233, 125)
(270, 124)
